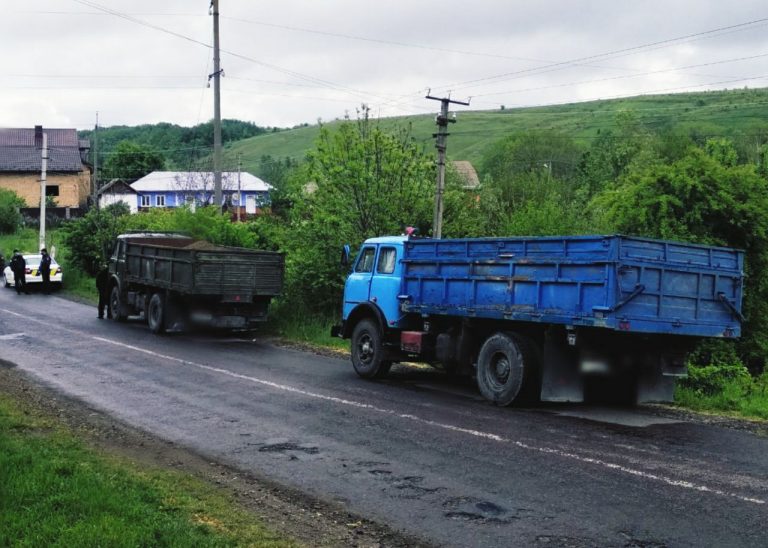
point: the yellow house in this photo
(68, 179)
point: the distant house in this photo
(68, 178)
(117, 191)
(196, 188)
(467, 173)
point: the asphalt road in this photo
(415, 451)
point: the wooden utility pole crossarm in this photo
(442, 121)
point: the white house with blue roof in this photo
(195, 188)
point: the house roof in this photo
(19, 153)
(467, 172)
(181, 181)
(116, 186)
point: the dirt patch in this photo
(310, 521)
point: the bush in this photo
(715, 367)
(10, 217)
(90, 239)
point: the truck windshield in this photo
(365, 262)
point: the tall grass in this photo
(292, 323)
(743, 396)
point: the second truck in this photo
(177, 282)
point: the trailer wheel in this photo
(116, 305)
(156, 314)
(504, 366)
(368, 351)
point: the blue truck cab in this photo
(545, 318)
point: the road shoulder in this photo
(289, 512)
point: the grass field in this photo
(718, 113)
(56, 492)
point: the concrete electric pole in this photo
(442, 121)
(95, 181)
(43, 180)
(216, 106)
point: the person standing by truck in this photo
(102, 286)
(19, 267)
(45, 270)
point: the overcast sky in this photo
(287, 62)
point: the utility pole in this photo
(95, 182)
(442, 121)
(239, 192)
(43, 178)
(216, 106)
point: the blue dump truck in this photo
(547, 318)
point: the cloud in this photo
(295, 61)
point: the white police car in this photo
(32, 272)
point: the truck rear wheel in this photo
(116, 305)
(504, 366)
(368, 351)
(156, 314)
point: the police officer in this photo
(19, 267)
(102, 285)
(45, 270)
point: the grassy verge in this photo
(56, 492)
(312, 330)
(738, 397)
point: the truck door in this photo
(385, 284)
(358, 286)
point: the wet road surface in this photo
(417, 452)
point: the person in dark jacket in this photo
(45, 271)
(19, 267)
(102, 285)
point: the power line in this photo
(127, 17)
(614, 53)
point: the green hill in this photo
(714, 113)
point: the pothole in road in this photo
(476, 510)
(284, 447)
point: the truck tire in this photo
(368, 351)
(156, 314)
(504, 367)
(116, 305)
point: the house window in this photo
(160, 200)
(52, 190)
(145, 200)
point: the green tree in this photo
(702, 198)
(131, 161)
(90, 239)
(10, 217)
(360, 181)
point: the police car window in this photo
(387, 257)
(365, 262)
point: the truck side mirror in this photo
(345, 255)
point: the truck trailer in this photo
(177, 282)
(545, 318)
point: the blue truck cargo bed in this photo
(613, 282)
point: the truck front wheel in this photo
(504, 366)
(368, 351)
(156, 314)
